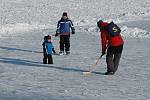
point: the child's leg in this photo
(62, 43)
(45, 59)
(50, 59)
(67, 44)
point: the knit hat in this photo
(64, 14)
(48, 37)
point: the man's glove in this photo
(73, 32)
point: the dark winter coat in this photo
(64, 27)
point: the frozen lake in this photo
(24, 77)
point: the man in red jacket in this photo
(113, 45)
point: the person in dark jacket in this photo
(48, 49)
(64, 28)
(113, 46)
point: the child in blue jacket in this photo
(48, 48)
(64, 28)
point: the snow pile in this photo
(127, 32)
(16, 14)
(20, 28)
(134, 32)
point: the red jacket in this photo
(109, 40)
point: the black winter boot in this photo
(109, 73)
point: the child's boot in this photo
(44, 60)
(61, 53)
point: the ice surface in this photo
(23, 24)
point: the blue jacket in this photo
(48, 48)
(64, 27)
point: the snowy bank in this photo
(19, 16)
(134, 32)
(127, 32)
(18, 28)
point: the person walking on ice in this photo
(112, 42)
(64, 28)
(48, 49)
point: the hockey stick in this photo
(93, 66)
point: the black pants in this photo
(49, 58)
(65, 43)
(113, 57)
